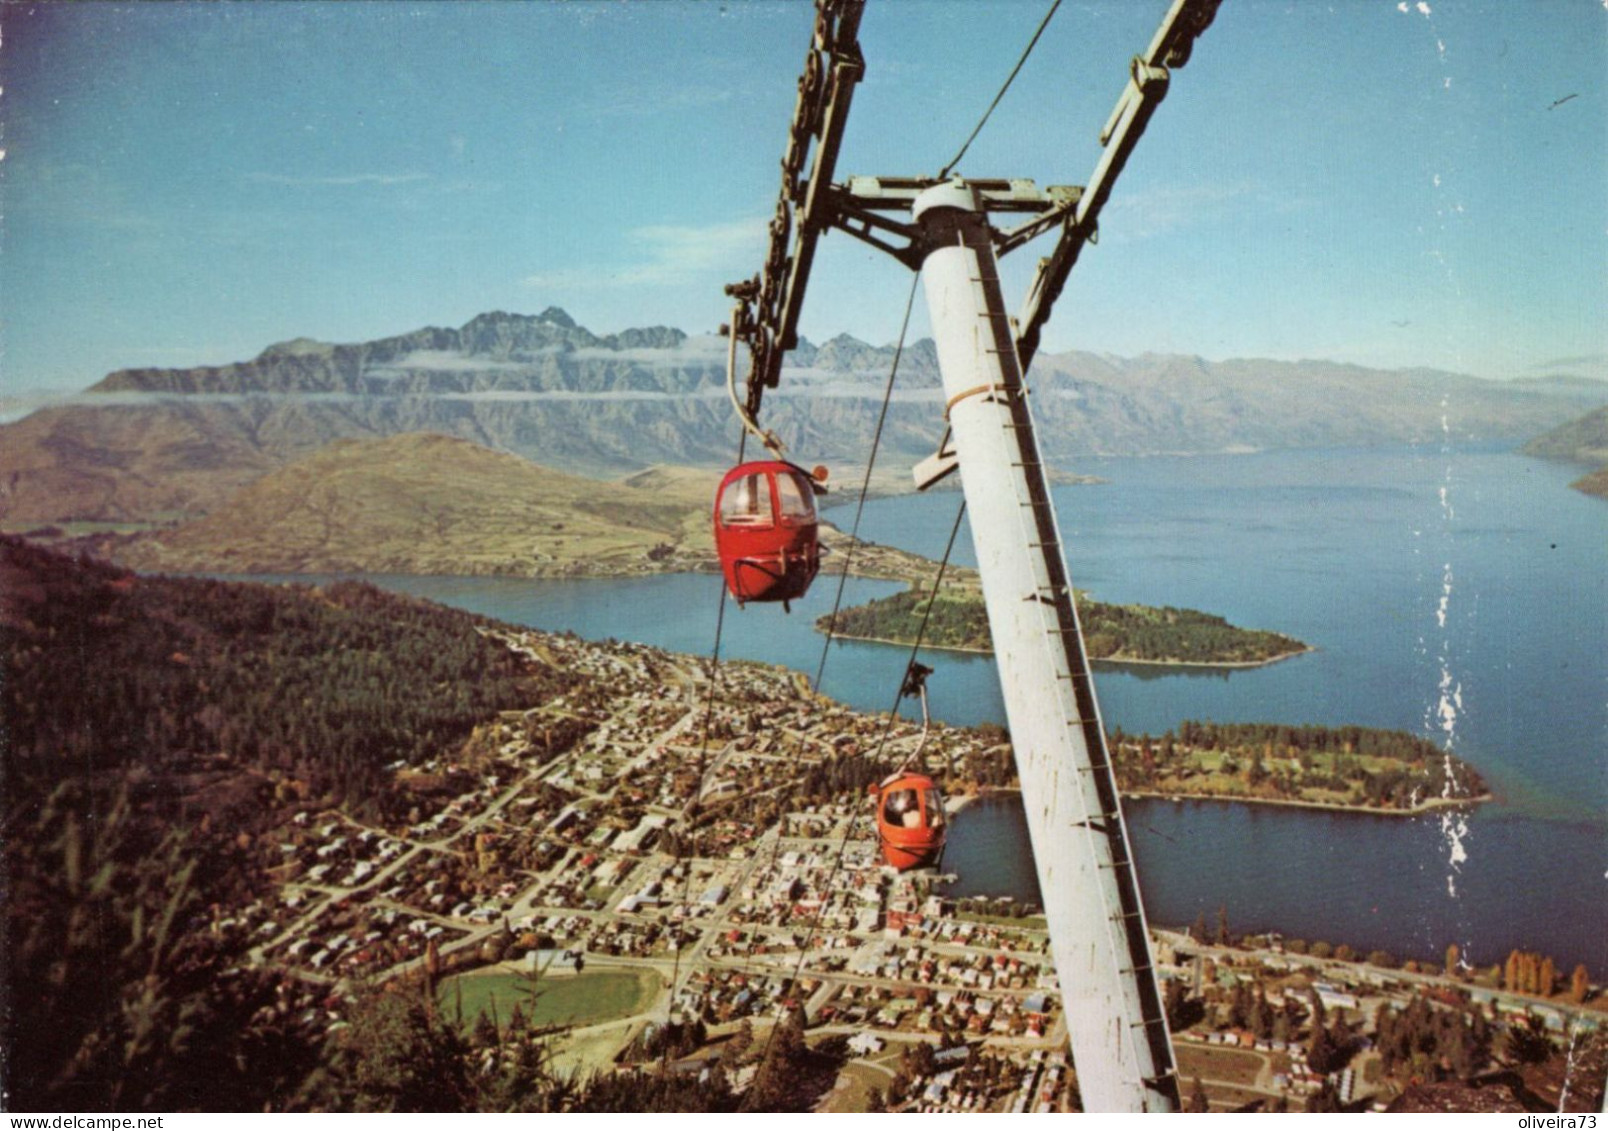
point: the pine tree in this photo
(1479, 1031)
(485, 1034)
(1339, 1041)
(1174, 999)
(1262, 1015)
(1324, 1100)
(1385, 1022)
(1320, 1049)
(125, 1006)
(783, 1057)
(1257, 771)
(1239, 1008)
(399, 1055)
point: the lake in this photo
(1457, 594)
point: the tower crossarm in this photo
(1148, 78)
(859, 204)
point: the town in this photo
(657, 835)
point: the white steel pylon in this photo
(1097, 926)
(1099, 941)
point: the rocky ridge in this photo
(154, 445)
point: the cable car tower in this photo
(943, 227)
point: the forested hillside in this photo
(107, 670)
(1137, 633)
(154, 726)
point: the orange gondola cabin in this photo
(910, 821)
(766, 532)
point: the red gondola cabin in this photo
(766, 531)
(910, 821)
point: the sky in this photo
(1389, 184)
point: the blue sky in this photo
(1369, 181)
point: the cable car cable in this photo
(809, 936)
(848, 830)
(865, 483)
(898, 351)
(750, 424)
(694, 805)
(1044, 23)
(921, 631)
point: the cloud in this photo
(642, 104)
(1162, 211)
(72, 194)
(1593, 365)
(337, 182)
(1587, 359)
(666, 255)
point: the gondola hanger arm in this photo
(1149, 77)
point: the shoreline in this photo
(1423, 807)
(1109, 661)
(962, 802)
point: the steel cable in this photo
(1032, 43)
(848, 830)
(865, 483)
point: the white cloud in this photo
(668, 254)
(1161, 211)
(340, 181)
(642, 104)
(76, 194)
(1581, 365)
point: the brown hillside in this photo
(123, 463)
(1594, 484)
(432, 504)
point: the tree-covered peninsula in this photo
(1115, 633)
(1348, 767)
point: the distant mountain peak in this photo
(557, 316)
(296, 347)
(647, 337)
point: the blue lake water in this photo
(1462, 595)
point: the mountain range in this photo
(167, 445)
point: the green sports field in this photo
(581, 999)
